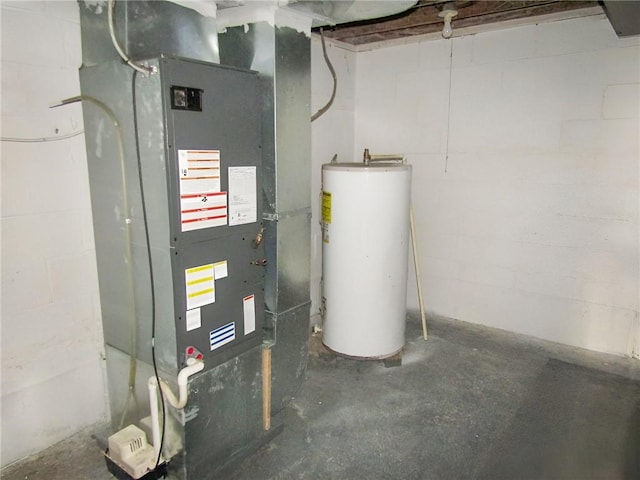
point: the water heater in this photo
(365, 218)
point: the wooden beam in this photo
(424, 19)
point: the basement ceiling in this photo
(423, 18)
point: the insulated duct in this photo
(345, 11)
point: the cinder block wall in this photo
(52, 347)
(525, 184)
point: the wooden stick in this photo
(266, 388)
(417, 269)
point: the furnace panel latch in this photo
(186, 98)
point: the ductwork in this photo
(333, 13)
(320, 12)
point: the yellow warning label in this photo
(326, 207)
(200, 280)
(202, 268)
(206, 291)
(200, 286)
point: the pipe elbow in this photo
(189, 370)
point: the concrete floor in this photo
(471, 402)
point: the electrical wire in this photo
(321, 112)
(112, 32)
(41, 139)
(149, 259)
(446, 159)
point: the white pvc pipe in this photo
(179, 403)
(183, 380)
(155, 422)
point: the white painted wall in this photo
(52, 345)
(331, 134)
(531, 224)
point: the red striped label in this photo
(198, 195)
(203, 209)
(202, 219)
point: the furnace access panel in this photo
(214, 175)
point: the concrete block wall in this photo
(526, 174)
(52, 346)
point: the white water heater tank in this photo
(365, 219)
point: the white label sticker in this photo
(202, 204)
(249, 309)
(220, 270)
(194, 319)
(199, 170)
(200, 285)
(243, 206)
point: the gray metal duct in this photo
(147, 29)
(282, 55)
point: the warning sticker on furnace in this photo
(200, 286)
(242, 195)
(194, 319)
(249, 311)
(220, 270)
(202, 204)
